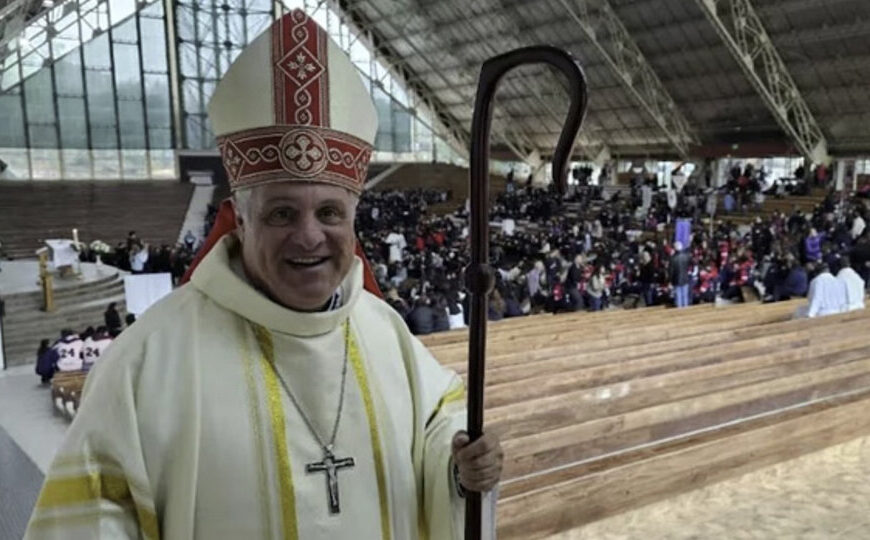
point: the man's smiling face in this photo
(297, 240)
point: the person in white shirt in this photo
(69, 351)
(95, 346)
(646, 193)
(827, 295)
(672, 198)
(854, 285)
(138, 258)
(455, 313)
(597, 231)
(508, 225)
(397, 243)
(89, 354)
(858, 226)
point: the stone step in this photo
(102, 210)
(17, 253)
(79, 306)
(62, 298)
(32, 317)
(21, 350)
(83, 285)
(24, 311)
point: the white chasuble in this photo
(186, 431)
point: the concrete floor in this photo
(19, 486)
(28, 417)
(30, 434)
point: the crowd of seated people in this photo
(79, 351)
(602, 253)
(615, 252)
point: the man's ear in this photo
(238, 215)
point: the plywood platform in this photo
(820, 496)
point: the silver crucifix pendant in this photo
(331, 466)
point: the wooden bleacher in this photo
(438, 176)
(602, 413)
(786, 205)
(31, 212)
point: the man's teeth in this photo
(307, 260)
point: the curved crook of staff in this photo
(480, 278)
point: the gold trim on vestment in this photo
(457, 394)
(362, 380)
(452, 396)
(259, 442)
(90, 517)
(279, 432)
(93, 487)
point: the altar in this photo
(63, 256)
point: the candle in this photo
(76, 236)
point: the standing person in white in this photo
(397, 244)
(853, 283)
(272, 396)
(138, 258)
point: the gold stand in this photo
(46, 282)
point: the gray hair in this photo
(242, 200)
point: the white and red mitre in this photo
(292, 107)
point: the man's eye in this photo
(330, 213)
(279, 216)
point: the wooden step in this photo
(662, 329)
(779, 336)
(526, 418)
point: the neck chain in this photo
(326, 446)
(330, 465)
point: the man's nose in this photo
(309, 235)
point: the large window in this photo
(406, 130)
(211, 34)
(89, 98)
(86, 91)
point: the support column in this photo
(604, 159)
(175, 90)
(538, 167)
(840, 174)
(720, 172)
